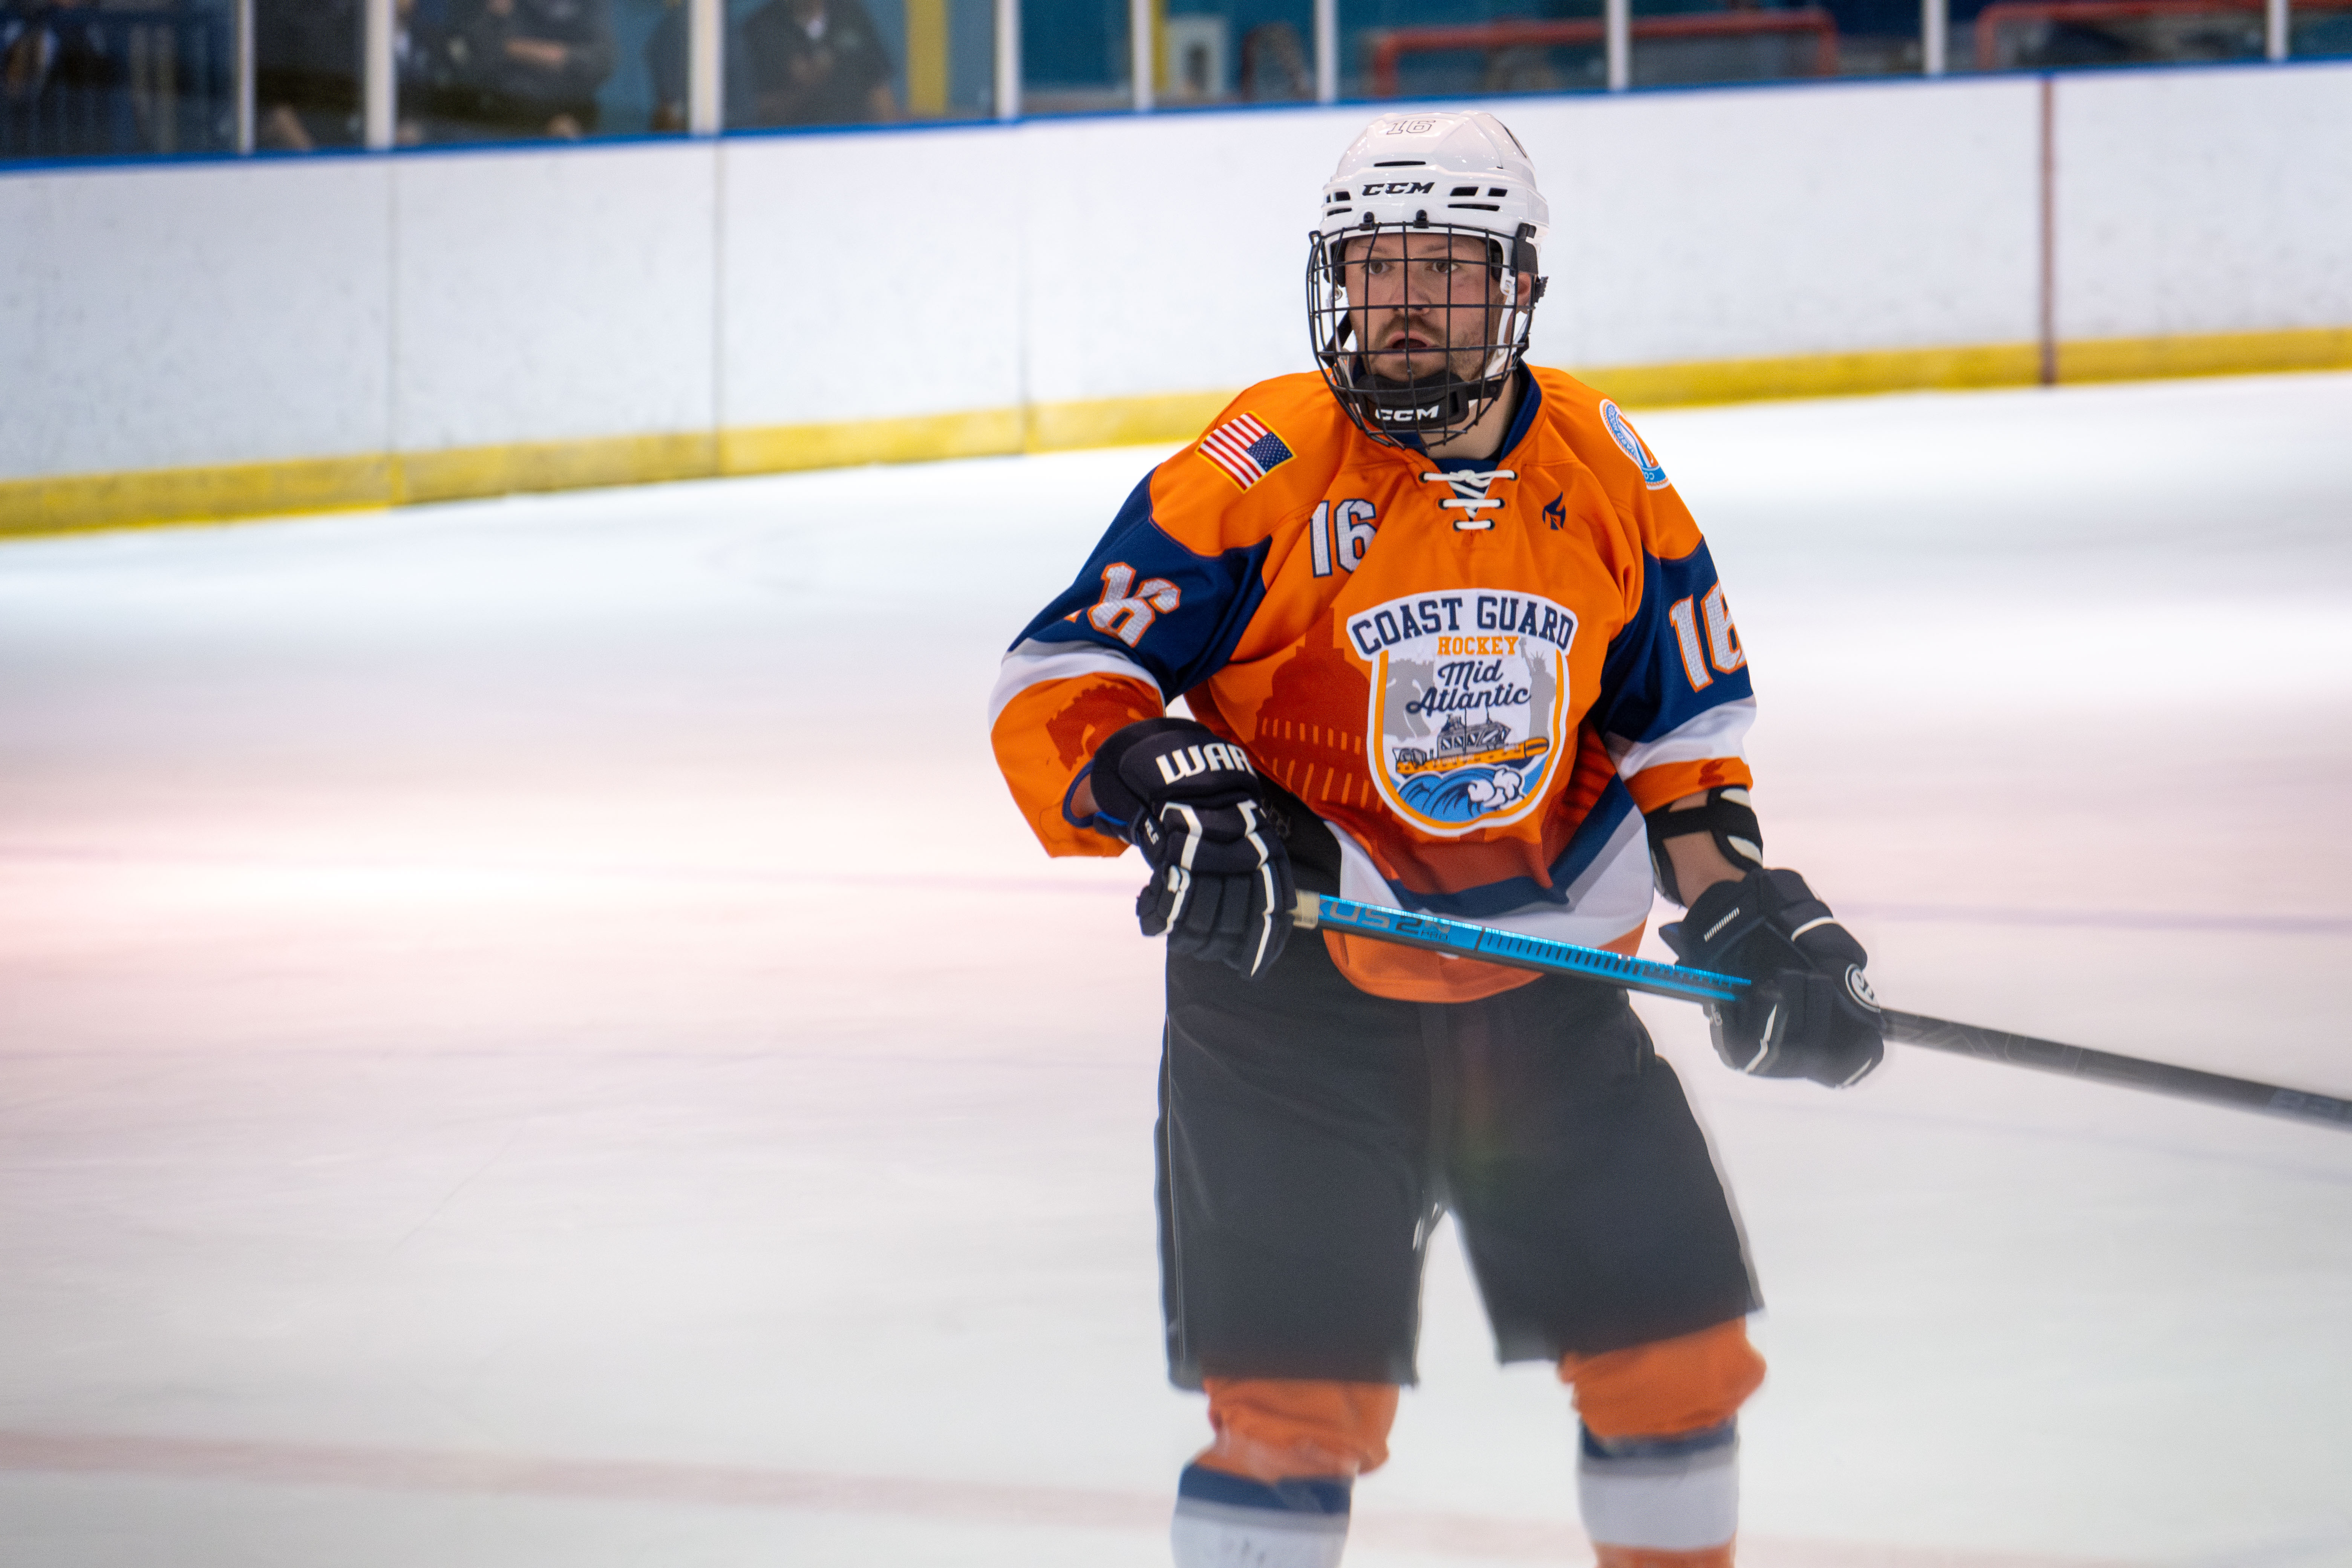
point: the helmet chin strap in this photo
(1435, 404)
(1438, 403)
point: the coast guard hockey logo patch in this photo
(1246, 450)
(1469, 704)
(1654, 473)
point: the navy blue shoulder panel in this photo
(1664, 667)
(1177, 614)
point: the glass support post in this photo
(241, 75)
(705, 67)
(1935, 35)
(1617, 22)
(1327, 52)
(378, 84)
(1008, 60)
(1141, 18)
(2274, 29)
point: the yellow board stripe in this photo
(224, 492)
(1123, 421)
(783, 448)
(2219, 354)
(1818, 375)
(193, 495)
(460, 472)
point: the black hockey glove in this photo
(1221, 885)
(1810, 1013)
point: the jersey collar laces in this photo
(1470, 496)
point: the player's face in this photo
(1422, 302)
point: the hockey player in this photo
(1451, 641)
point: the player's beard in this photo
(1431, 366)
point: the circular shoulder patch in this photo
(1654, 473)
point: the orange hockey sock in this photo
(1658, 1479)
(1646, 1557)
(1274, 1429)
(1667, 1386)
(1274, 1486)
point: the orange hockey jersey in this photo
(1478, 673)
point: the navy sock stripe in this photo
(1681, 1446)
(1320, 1495)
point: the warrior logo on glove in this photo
(1221, 885)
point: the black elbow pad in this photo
(1725, 815)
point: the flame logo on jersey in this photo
(1469, 704)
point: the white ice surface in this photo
(529, 1032)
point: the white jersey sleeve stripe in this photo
(1715, 732)
(1034, 663)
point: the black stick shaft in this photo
(2106, 1067)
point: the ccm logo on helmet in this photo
(1402, 188)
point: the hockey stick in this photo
(1546, 956)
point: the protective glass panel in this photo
(1074, 56)
(2316, 30)
(1684, 41)
(1878, 38)
(1455, 49)
(2054, 35)
(506, 71)
(307, 72)
(1236, 51)
(858, 62)
(81, 80)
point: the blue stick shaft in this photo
(1383, 924)
(1521, 952)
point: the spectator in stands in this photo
(817, 62)
(61, 90)
(666, 63)
(1273, 64)
(532, 66)
(306, 70)
(427, 76)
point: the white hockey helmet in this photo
(1428, 172)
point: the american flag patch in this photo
(1245, 450)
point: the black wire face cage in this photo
(1443, 390)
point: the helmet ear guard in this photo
(1523, 261)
